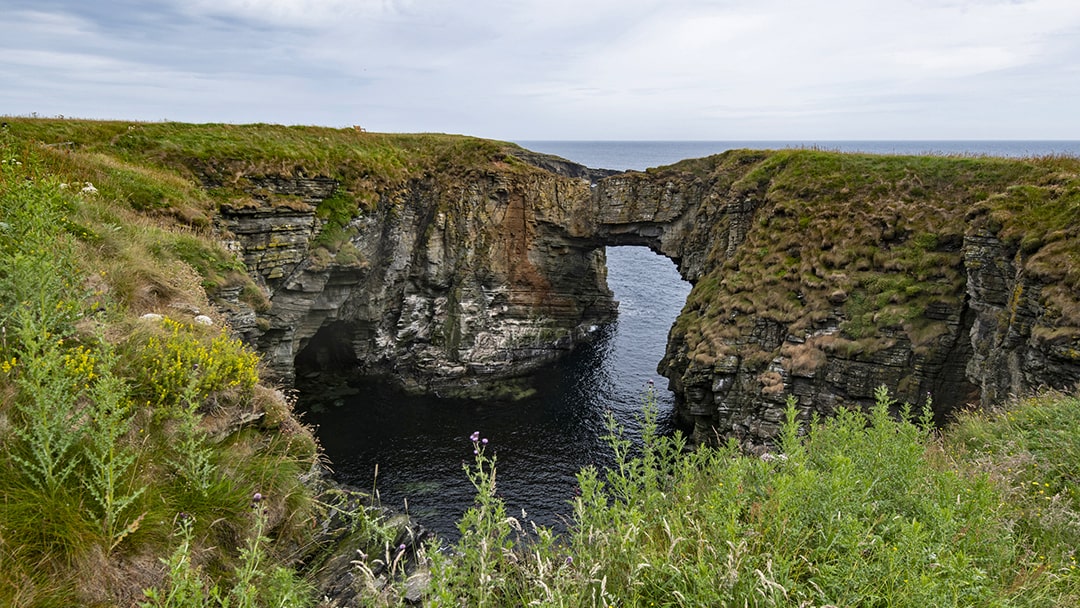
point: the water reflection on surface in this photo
(541, 442)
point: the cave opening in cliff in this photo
(329, 352)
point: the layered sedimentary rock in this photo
(823, 282)
(443, 285)
(816, 275)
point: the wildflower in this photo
(569, 560)
(256, 499)
(89, 189)
(484, 441)
(475, 436)
(401, 547)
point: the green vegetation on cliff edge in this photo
(133, 449)
(874, 238)
(118, 432)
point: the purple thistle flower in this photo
(484, 441)
(475, 436)
(256, 497)
(401, 547)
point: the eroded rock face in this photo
(1018, 339)
(826, 297)
(449, 285)
(822, 288)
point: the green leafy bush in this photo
(174, 360)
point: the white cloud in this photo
(959, 61)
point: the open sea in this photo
(411, 449)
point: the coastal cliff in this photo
(447, 284)
(144, 451)
(825, 275)
(450, 265)
(819, 275)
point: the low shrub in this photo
(170, 361)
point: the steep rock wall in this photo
(442, 285)
(823, 282)
(816, 275)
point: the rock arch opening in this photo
(650, 293)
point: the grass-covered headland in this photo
(144, 462)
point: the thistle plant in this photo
(475, 576)
(252, 585)
(185, 588)
(50, 424)
(193, 461)
(249, 571)
(36, 311)
(112, 460)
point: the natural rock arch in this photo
(461, 281)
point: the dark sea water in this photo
(419, 444)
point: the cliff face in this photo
(824, 276)
(443, 285)
(817, 275)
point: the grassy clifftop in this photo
(185, 172)
(878, 237)
(365, 164)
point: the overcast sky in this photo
(558, 69)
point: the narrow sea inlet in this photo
(420, 443)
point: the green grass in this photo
(355, 158)
(103, 422)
